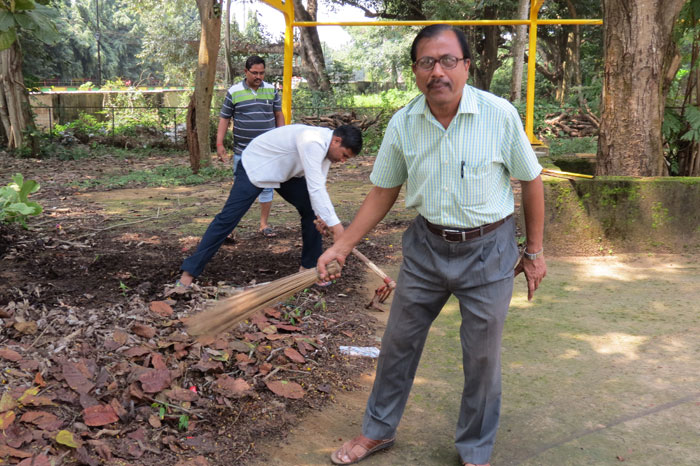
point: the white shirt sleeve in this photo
(312, 153)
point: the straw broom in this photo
(225, 314)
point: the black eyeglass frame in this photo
(436, 60)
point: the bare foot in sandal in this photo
(359, 448)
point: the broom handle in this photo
(387, 279)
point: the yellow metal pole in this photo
(287, 9)
(531, 60)
(470, 22)
(288, 59)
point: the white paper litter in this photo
(364, 351)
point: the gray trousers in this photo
(480, 274)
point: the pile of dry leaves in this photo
(126, 384)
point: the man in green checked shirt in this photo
(455, 147)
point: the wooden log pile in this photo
(572, 123)
(333, 120)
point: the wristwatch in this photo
(533, 256)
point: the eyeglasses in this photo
(447, 62)
(256, 73)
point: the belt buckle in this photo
(446, 231)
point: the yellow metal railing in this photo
(287, 9)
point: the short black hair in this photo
(436, 29)
(254, 60)
(350, 137)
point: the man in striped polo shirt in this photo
(256, 108)
(456, 148)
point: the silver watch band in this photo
(532, 256)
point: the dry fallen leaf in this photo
(38, 460)
(294, 355)
(157, 361)
(10, 355)
(42, 420)
(99, 415)
(144, 331)
(155, 380)
(136, 351)
(65, 437)
(6, 419)
(9, 451)
(286, 389)
(27, 328)
(154, 421)
(7, 402)
(230, 387)
(75, 375)
(181, 394)
(161, 308)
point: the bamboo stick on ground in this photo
(225, 314)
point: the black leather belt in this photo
(457, 235)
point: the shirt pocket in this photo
(474, 184)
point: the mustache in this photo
(437, 81)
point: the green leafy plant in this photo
(183, 422)
(14, 203)
(123, 287)
(161, 409)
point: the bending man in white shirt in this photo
(294, 160)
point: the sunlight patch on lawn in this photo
(613, 343)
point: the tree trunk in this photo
(639, 47)
(574, 57)
(313, 63)
(487, 48)
(228, 77)
(518, 53)
(210, 15)
(15, 114)
(192, 137)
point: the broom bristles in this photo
(225, 314)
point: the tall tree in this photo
(19, 17)
(228, 75)
(380, 51)
(200, 104)
(517, 51)
(313, 62)
(639, 51)
(682, 119)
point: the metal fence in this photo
(170, 120)
(161, 117)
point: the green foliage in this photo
(568, 146)
(14, 203)
(26, 17)
(161, 409)
(84, 128)
(391, 99)
(183, 422)
(692, 117)
(165, 175)
(679, 132)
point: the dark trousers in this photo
(480, 274)
(243, 194)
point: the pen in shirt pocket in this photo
(461, 170)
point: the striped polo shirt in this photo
(252, 111)
(459, 176)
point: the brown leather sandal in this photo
(366, 447)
